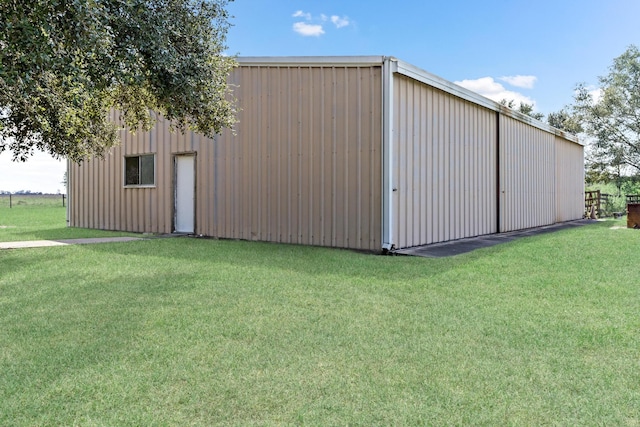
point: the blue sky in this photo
(534, 51)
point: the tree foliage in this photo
(65, 64)
(526, 109)
(564, 120)
(612, 118)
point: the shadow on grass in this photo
(329, 263)
(186, 252)
(320, 260)
(12, 261)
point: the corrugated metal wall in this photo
(569, 180)
(304, 165)
(527, 176)
(445, 166)
(449, 181)
(99, 198)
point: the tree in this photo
(526, 109)
(64, 65)
(612, 118)
(564, 120)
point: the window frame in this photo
(140, 163)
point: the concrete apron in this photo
(64, 242)
(455, 247)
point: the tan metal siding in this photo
(527, 176)
(304, 165)
(444, 172)
(569, 180)
(99, 198)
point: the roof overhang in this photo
(308, 61)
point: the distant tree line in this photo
(22, 192)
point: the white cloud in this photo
(487, 86)
(340, 22)
(313, 26)
(301, 14)
(596, 94)
(525, 82)
(308, 30)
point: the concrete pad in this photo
(455, 247)
(30, 244)
(93, 240)
(64, 242)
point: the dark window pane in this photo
(132, 171)
(146, 170)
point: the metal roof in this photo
(294, 61)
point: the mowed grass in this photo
(14, 201)
(42, 218)
(540, 331)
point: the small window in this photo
(139, 170)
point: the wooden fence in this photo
(592, 203)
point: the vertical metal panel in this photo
(304, 165)
(445, 165)
(100, 199)
(527, 176)
(569, 180)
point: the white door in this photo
(185, 194)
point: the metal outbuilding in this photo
(355, 152)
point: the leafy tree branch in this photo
(65, 64)
(610, 115)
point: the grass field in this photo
(41, 218)
(32, 200)
(540, 331)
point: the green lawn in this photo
(540, 331)
(42, 218)
(20, 201)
